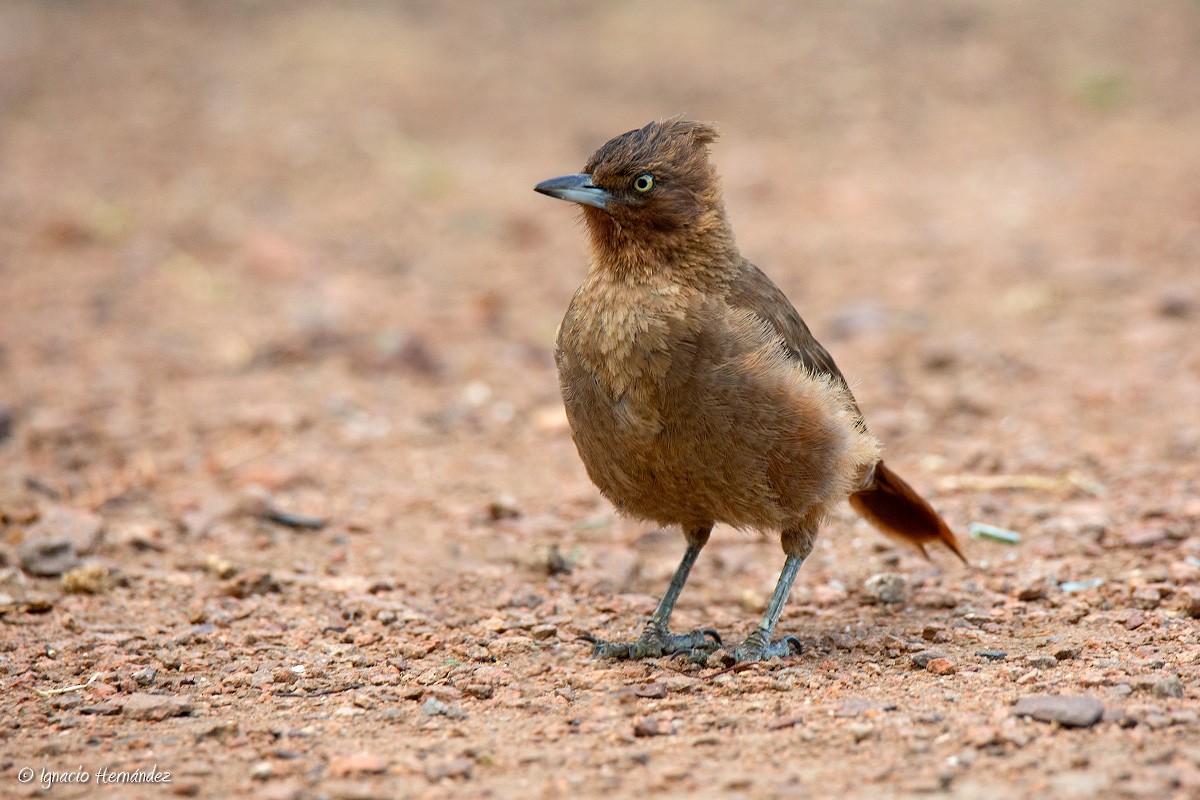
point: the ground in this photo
(270, 265)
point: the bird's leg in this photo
(758, 645)
(657, 640)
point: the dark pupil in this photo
(643, 182)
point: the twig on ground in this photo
(65, 689)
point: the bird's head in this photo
(649, 193)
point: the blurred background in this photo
(990, 212)
(288, 253)
(243, 240)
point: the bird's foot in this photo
(759, 647)
(656, 642)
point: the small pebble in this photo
(145, 676)
(48, 557)
(1168, 687)
(983, 735)
(480, 691)
(1072, 711)
(1184, 717)
(941, 666)
(453, 769)
(655, 691)
(651, 727)
(1176, 303)
(82, 528)
(90, 578)
(156, 707)
(1189, 603)
(886, 587)
(1146, 598)
(217, 565)
(1070, 587)
(432, 707)
(1034, 590)
(1146, 537)
(357, 764)
(543, 632)
(991, 533)
(502, 508)
(922, 658)
(862, 706)
(254, 582)
(992, 655)
(861, 730)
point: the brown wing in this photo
(752, 290)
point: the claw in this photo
(656, 642)
(758, 647)
(605, 649)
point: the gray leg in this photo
(758, 645)
(657, 640)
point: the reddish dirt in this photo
(280, 257)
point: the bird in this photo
(695, 392)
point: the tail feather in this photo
(894, 507)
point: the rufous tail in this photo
(894, 507)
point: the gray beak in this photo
(576, 188)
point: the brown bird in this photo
(695, 392)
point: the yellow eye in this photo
(644, 182)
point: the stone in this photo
(861, 730)
(258, 581)
(1146, 598)
(652, 727)
(13, 586)
(921, 659)
(357, 764)
(82, 528)
(156, 707)
(1034, 590)
(48, 557)
(862, 706)
(886, 587)
(453, 769)
(940, 666)
(543, 632)
(1170, 686)
(1071, 711)
(90, 578)
(433, 707)
(1175, 302)
(1146, 537)
(983, 735)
